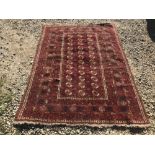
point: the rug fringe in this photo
(80, 124)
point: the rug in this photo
(80, 76)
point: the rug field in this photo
(81, 76)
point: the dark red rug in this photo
(80, 76)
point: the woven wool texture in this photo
(80, 76)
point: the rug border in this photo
(131, 74)
(34, 122)
(30, 75)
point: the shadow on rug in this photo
(151, 28)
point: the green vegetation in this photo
(5, 99)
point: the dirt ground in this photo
(18, 42)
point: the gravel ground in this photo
(18, 42)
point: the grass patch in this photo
(5, 99)
(2, 129)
